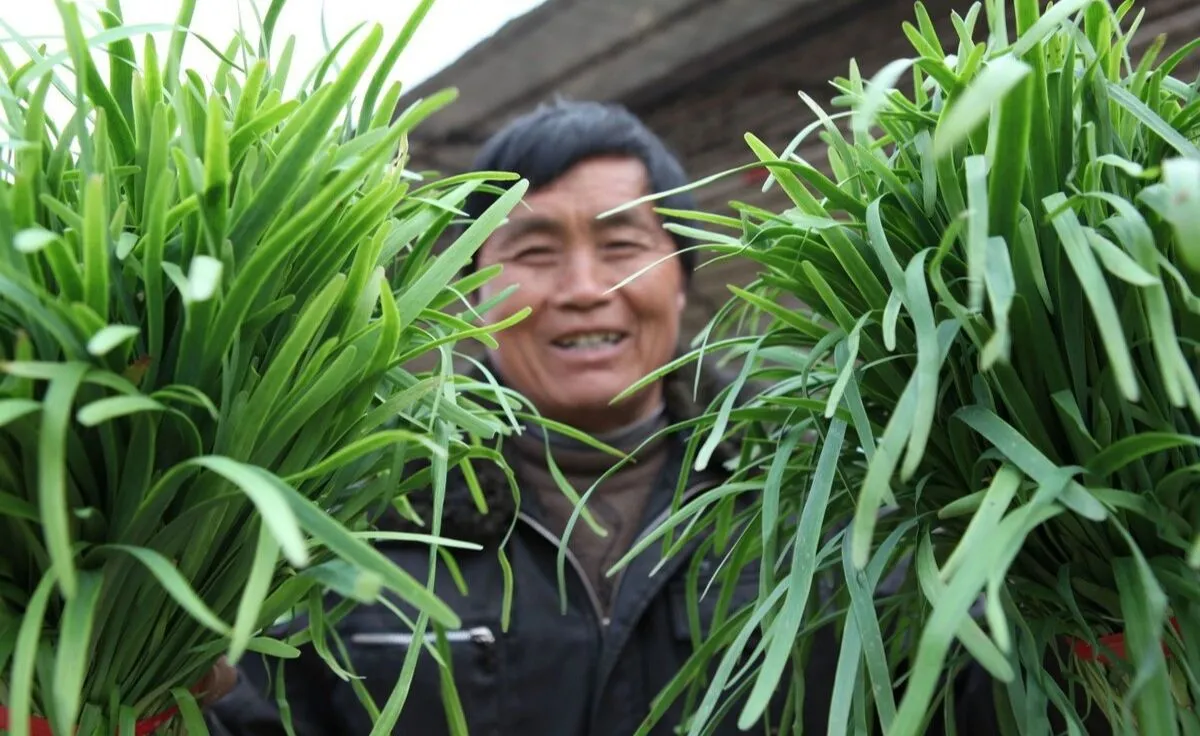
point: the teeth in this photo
(591, 339)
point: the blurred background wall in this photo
(701, 73)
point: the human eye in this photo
(535, 253)
(623, 246)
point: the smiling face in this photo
(582, 345)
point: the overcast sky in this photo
(452, 27)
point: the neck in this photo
(621, 495)
(641, 439)
(624, 437)
(611, 418)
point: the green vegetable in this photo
(211, 296)
(999, 303)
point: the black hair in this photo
(544, 144)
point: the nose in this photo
(585, 281)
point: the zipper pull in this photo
(482, 635)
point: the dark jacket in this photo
(551, 673)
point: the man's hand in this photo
(219, 681)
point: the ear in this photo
(681, 300)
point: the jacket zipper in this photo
(554, 539)
(688, 495)
(662, 516)
(593, 597)
(481, 635)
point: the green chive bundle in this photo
(989, 401)
(211, 293)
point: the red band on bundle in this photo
(41, 727)
(1113, 642)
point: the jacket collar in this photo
(686, 396)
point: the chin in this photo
(593, 399)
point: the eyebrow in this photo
(514, 230)
(535, 225)
(625, 218)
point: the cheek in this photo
(659, 314)
(521, 293)
(659, 301)
(516, 342)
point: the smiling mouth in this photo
(589, 340)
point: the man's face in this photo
(583, 345)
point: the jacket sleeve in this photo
(252, 708)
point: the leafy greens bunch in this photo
(989, 399)
(211, 293)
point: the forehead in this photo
(589, 189)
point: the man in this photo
(594, 668)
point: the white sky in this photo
(451, 27)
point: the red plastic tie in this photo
(39, 726)
(1115, 643)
